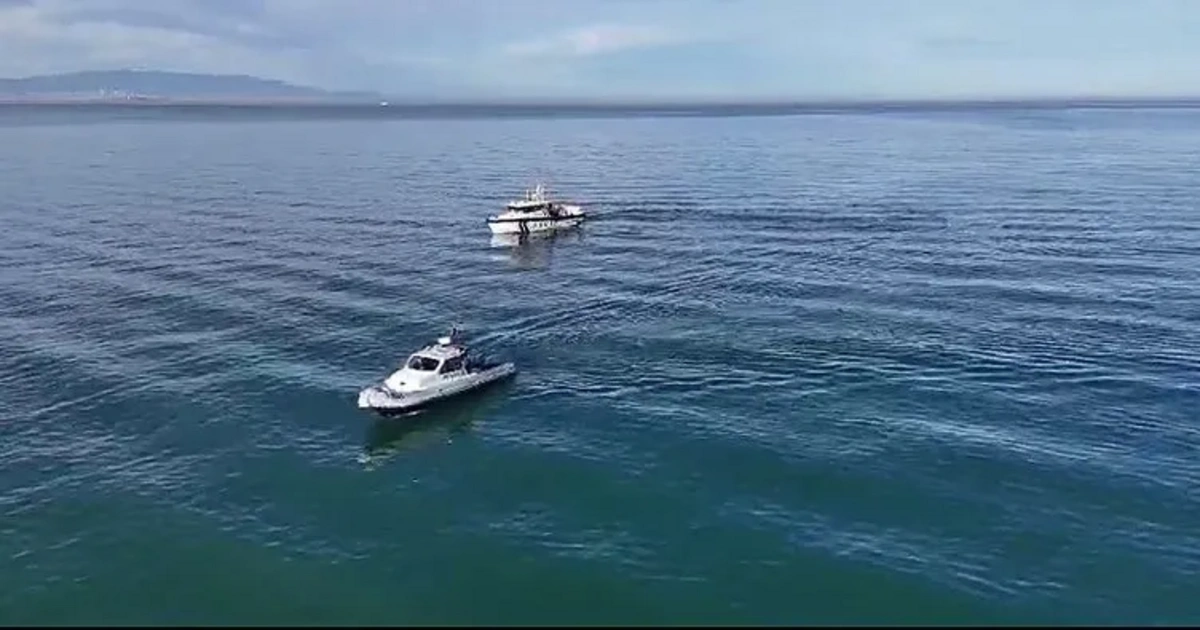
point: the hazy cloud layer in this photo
(586, 48)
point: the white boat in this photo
(535, 213)
(438, 371)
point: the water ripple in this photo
(940, 364)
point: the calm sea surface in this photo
(891, 367)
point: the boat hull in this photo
(380, 400)
(533, 224)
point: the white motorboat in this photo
(535, 213)
(438, 371)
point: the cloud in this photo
(594, 40)
(962, 45)
(339, 45)
(595, 48)
(42, 39)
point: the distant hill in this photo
(125, 85)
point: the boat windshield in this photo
(422, 364)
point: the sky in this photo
(632, 49)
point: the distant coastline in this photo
(109, 87)
(127, 90)
(160, 101)
(414, 105)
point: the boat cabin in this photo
(437, 359)
(444, 359)
(533, 201)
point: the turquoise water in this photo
(906, 367)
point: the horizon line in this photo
(325, 96)
(384, 102)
